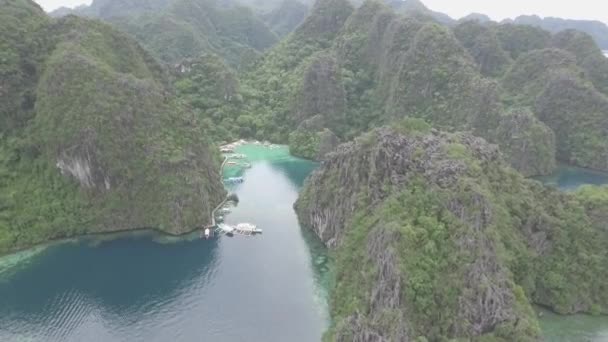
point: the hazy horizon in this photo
(581, 10)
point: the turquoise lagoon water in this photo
(569, 178)
(147, 287)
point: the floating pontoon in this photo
(225, 229)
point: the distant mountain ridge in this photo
(596, 29)
(496, 80)
(416, 7)
(105, 9)
(177, 29)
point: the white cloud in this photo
(501, 9)
(496, 9)
(50, 5)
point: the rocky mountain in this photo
(417, 8)
(374, 66)
(482, 18)
(436, 238)
(173, 30)
(106, 9)
(286, 17)
(596, 29)
(93, 138)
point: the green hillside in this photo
(97, 140)
(435, 238)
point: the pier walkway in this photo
(241, 228)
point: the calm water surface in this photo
(569, 178)
(146, 287)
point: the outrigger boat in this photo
(247, 229)
(241, 228)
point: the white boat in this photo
(225, 228)
(234, 180)
(248, 228)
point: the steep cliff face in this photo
(588, 56)
(311, 140)
(286, 17)
(436, 237)
(578, 114)
(528, 144)
(484, 46)
(22, 46)
(107, 146)
(381, 67)
(322, 93)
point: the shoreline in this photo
(67, 239)
(119, 231)
(112, 235)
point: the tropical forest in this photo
(412, 173)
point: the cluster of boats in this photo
(241, 228)
(221, 227)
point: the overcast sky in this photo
(496, 9)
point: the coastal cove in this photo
(144, 285)
(301, 170)
(148, 286)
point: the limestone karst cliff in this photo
(436, 237)
(94, 139)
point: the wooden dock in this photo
(225, 199)
(242, 228)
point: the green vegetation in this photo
(484, 46)
(286, 17)
(455, 245)
(304, 144)
(173, 30)
(436, 237)
(372, 67)
(355, 69)
(528, 144)
(596, 29)
(96, 142)
(106, 9)
(21, 49)
(188, 29)
(213, 91)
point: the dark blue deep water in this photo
(146, 287)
